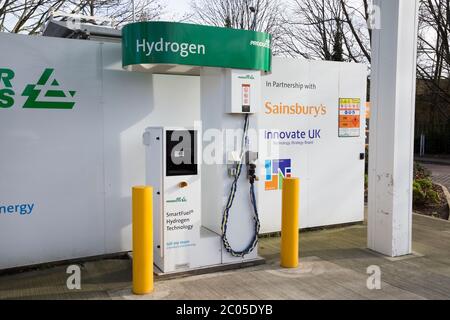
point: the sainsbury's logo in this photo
(294, 109)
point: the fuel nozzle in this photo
(252, 173)
(250, 159)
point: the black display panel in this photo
(181, 153)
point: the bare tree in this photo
(433, 71)
(119, 10)
(434, 40)
(311, 28)
(28, 16)
(258, 15)
(328, 30)
(355, 16)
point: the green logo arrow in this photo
(53, 98)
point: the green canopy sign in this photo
(195, 45)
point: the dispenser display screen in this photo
(181, 153)
(245, 98)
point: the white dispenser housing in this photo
(180, 243)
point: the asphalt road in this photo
(440, 173)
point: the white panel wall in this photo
(78, 166)
(330, 171)
(52, 158)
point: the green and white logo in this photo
(176, 200)
(262, 44)
(247, 77)
(6, 88)
(45, 94)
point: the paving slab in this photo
(333, 265)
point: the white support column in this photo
(393, 83)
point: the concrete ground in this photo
(333, 266)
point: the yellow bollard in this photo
(289, 222)
(142, 198)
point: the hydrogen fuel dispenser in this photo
(205, 210)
